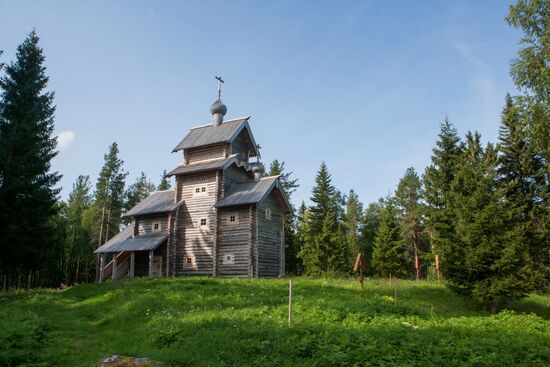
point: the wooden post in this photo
(290, 302)
(5, 282)
(132, 264)
(151, 263)
(101, 267)
(251, 209)
(114, 266)
(282, 251)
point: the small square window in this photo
(203, 221)
(197, 190)
(232, 218)
(156, 226)
(229, 259)
(267, 213)
(203, 189)
(188, 262)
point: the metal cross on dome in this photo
(220, 81)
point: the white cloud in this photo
(64, 139)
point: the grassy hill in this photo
(235, 322)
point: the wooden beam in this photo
(101, 267)
(114, 266)
(282, 250)
(251, 242)
(216, 220)
(151, 255)
(132, 265)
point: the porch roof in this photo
(125, 241)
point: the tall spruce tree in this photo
(390, 252)
(531, 73)
(521, 174)
(353, 220)
(164, 182)
(369, 229)
(437, 179)
(324, 249)
(407, 197)
(28, 194)
(292, 244)
(109, 197)
(488, 262)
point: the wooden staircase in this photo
(122, 268)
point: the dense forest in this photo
(481, 209)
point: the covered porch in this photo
(126, 255)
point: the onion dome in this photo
(218, 107)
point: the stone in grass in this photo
(121, 361)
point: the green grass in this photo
(236, 322)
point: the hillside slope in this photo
(235, 322)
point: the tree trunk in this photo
(76, 271)
(29, 279)
(493, 308)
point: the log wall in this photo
(270, 233)
(193, 239)
(204, 153)
(234, 241)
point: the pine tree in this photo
(437, 179)
(79, 260)
(27, 186)
(407, 197)
(109, 197)
(390, 252)
(164, 182)
(488, 262)
(353, 219)
(521, 174)
(292, 245)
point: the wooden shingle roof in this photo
(225, 132)
(124, 241)
(204, 166)
(252, 193)
(156, 202)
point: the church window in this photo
(203, 221)
(188, 262)
(201, 190)
(233, 219)
(156, 226)
(229, 259)
(267, 213)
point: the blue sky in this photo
(361, 85)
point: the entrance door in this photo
(157, 266)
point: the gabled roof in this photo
(252, 193)
(225, 132)
(204, 166)
(156, 202)
(124, 241)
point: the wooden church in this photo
(224, 218)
